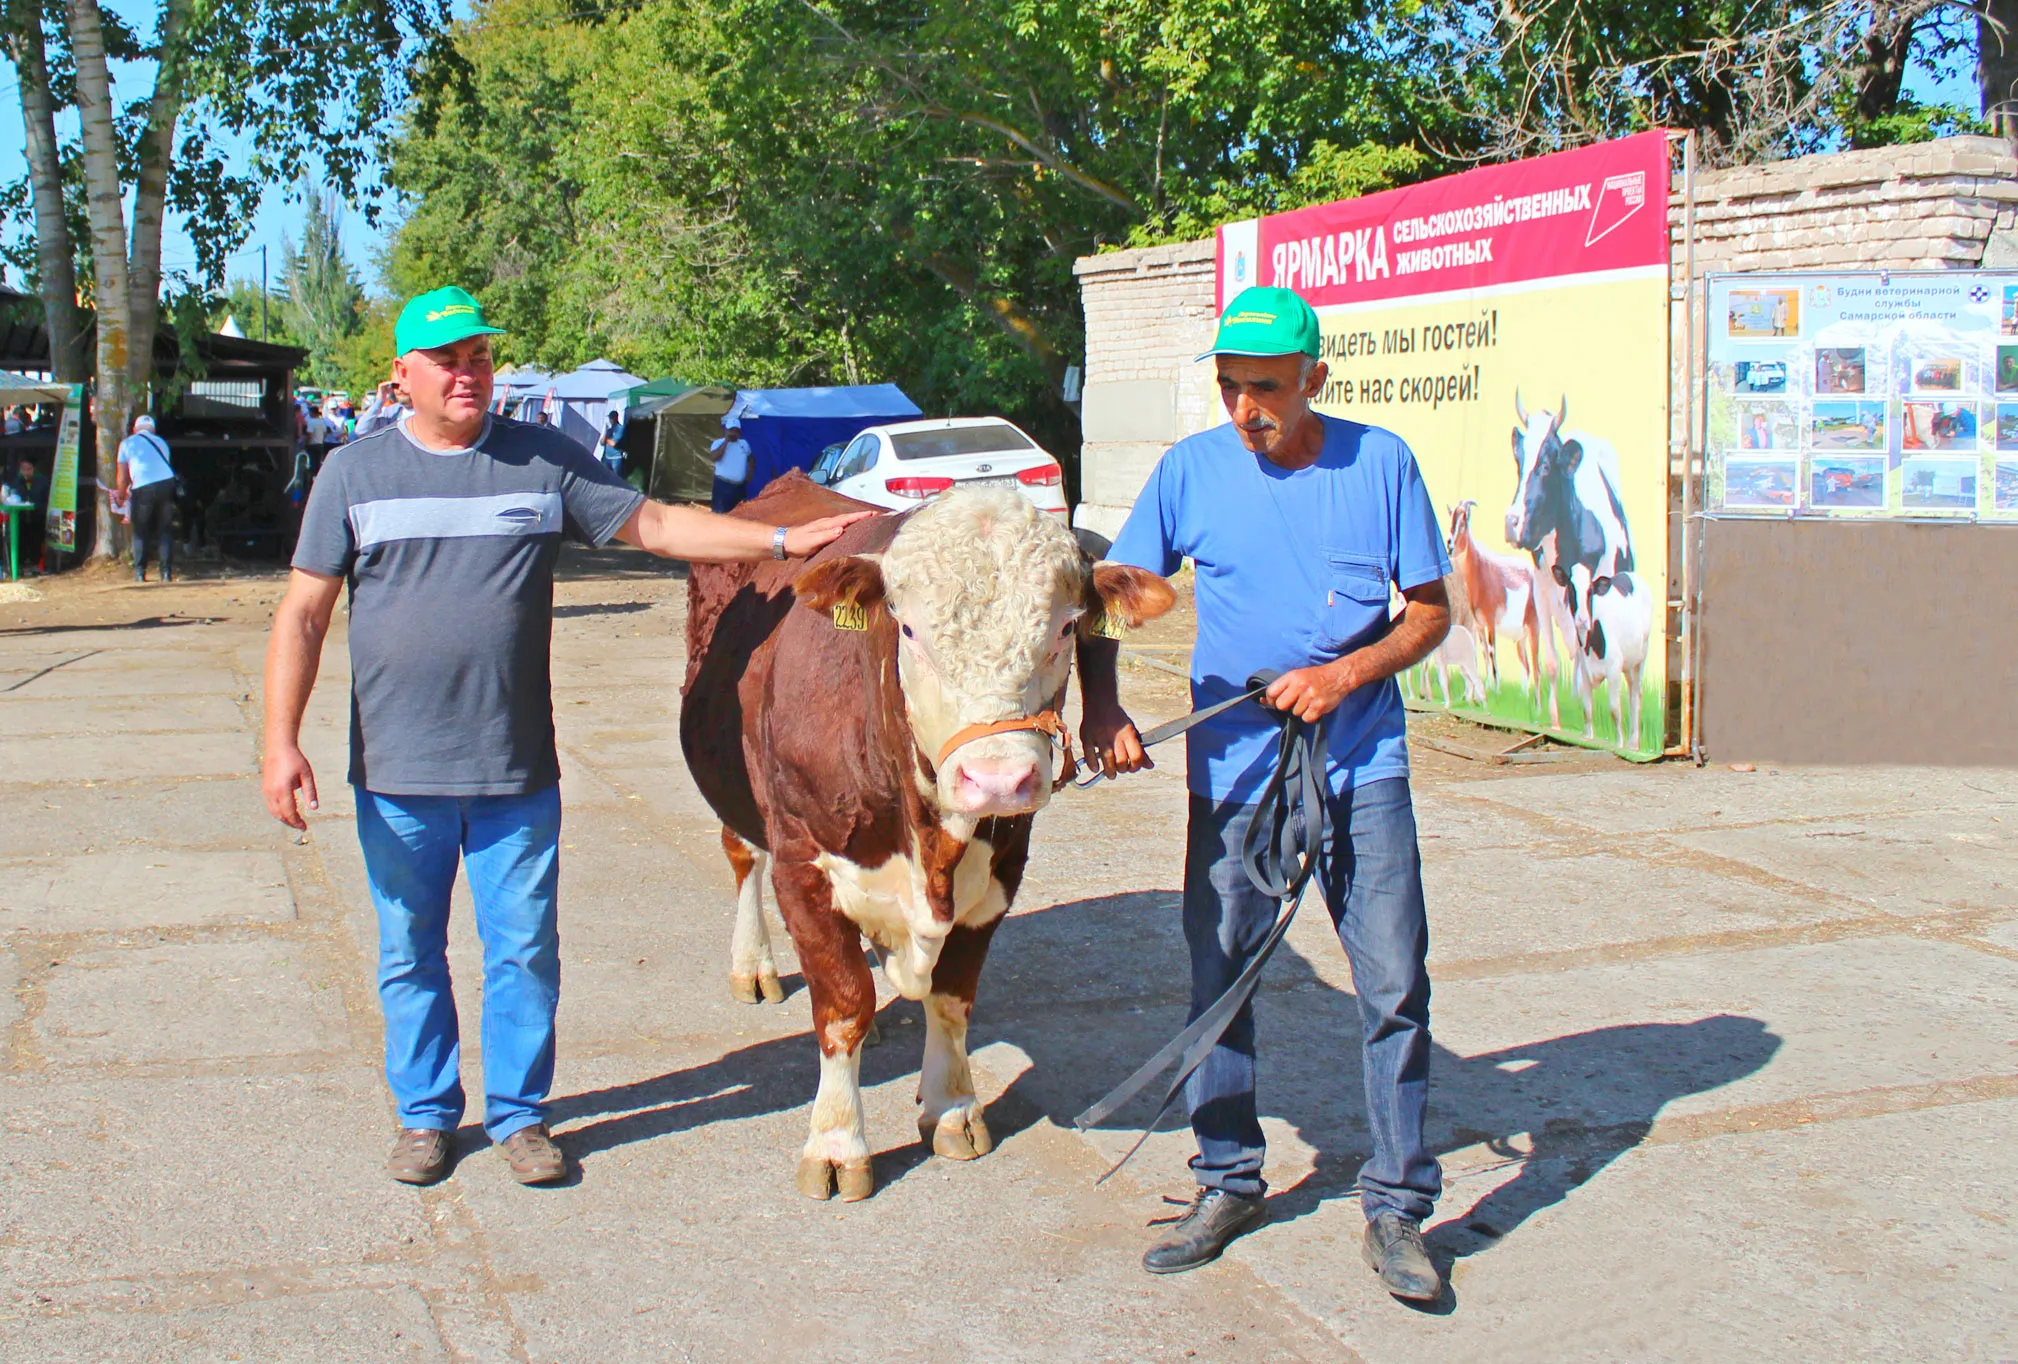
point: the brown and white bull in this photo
(879, 725)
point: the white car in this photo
(900, 465)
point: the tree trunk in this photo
(114, 295)
(1882, 74)
(54, 251)
(1997, 65)
(150, 194)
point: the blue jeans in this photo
(1371, 873)
(510, 848)
(726, 495)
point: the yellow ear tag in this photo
(1106, 626)
(849, 616)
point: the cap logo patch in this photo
(1266, 319)
(452, 310)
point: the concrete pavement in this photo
(1725, 1066)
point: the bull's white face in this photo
(1530, 440)
(986, 591)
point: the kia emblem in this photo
(983, 468)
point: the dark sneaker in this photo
(420, 1156)
(1394, 1250)
(1207, 1227)
(533, 1157)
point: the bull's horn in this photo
(1520, 411)
(1563, 412)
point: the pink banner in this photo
(1596, 208)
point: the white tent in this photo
(579, 401)
(22, 388)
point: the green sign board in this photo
(62, 529)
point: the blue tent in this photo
(787, 428)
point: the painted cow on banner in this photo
(878, 726)
(1566, 511)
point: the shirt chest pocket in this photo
(1355, 599)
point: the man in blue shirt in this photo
(1298, 524)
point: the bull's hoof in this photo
(746, 986)
(818, 1177)
(960, 1137)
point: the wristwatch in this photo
(778, 543)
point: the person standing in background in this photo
(732, 466)
(607, 449)
(388, 404)
(317, 433)
(146, 474)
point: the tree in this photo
(251, 70)
(323, 296)
(772, 191)
(54, 274)
(1997, 65)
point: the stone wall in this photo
(1951, 204)
(1148, 314)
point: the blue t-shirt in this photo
(1293, 570)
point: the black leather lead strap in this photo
(1170, 729)
(1279, 853)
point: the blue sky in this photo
(280, 212)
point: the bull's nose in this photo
(994, 786)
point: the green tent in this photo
(686, 419)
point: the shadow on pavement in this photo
(612, 608)
(144, 623)
(578, 563)
(1582, 1099)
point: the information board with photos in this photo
(1869, 394)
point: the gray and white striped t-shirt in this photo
(450, 559)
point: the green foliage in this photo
(780, 192)
(241, 301)
(1330, 173)
(1914, 122)
(324, 300)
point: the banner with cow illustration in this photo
(1864, 394)
(1511, 324)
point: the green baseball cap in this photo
(438, 318)
(1266, 321)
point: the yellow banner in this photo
(1538, 415)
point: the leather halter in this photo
(1045, 722)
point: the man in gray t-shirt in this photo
(446, 527)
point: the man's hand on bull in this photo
(801, 541)
(701, 536)
(1111, 743)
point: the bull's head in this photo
(986, 594)
(1535, 441)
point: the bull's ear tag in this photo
(849, 616)
(1106, 625)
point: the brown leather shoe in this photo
(533, 1157)
(422, 1155)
